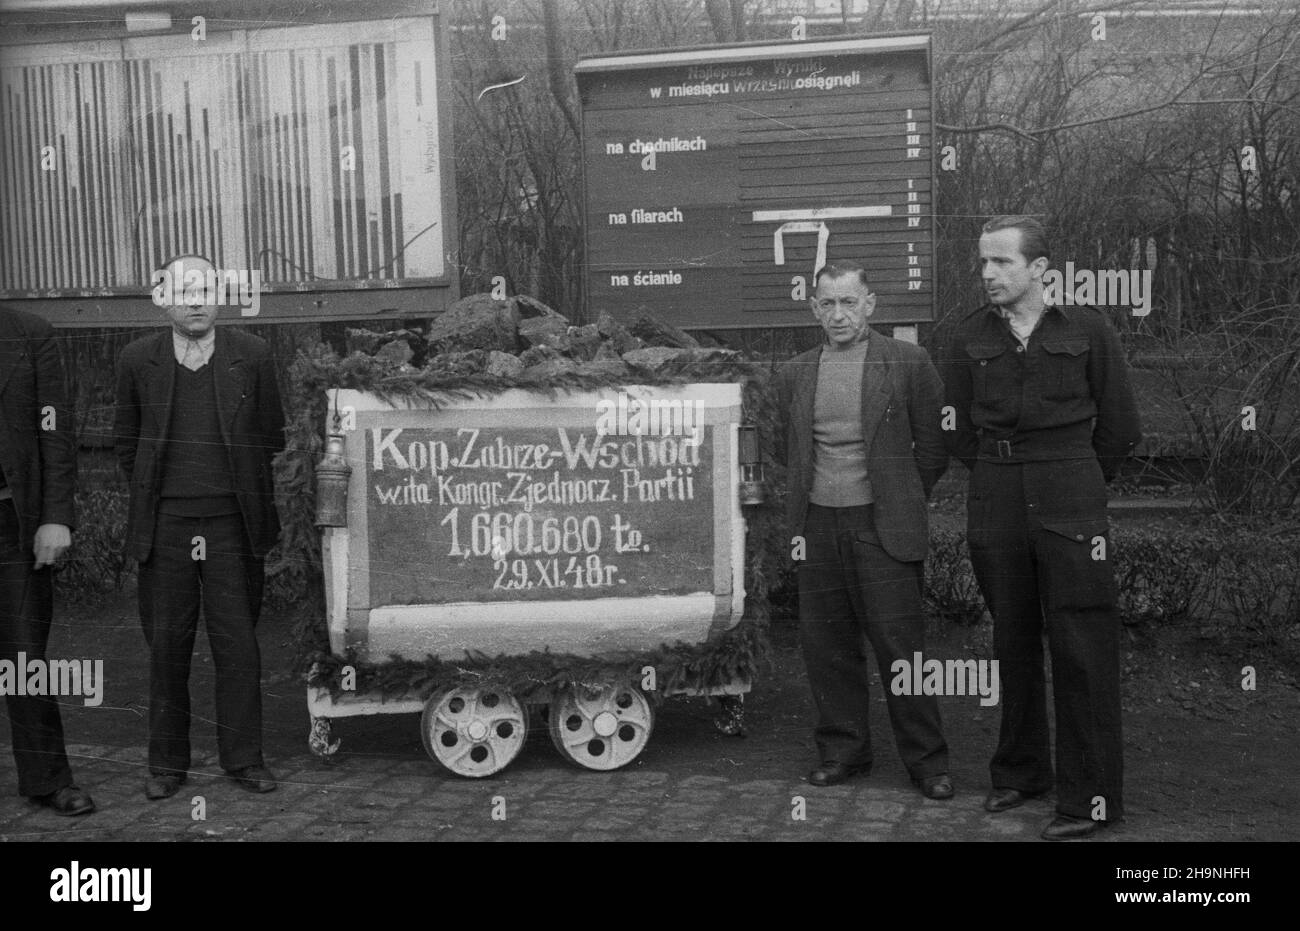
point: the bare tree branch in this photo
(719, 14)
(1047, 130)
(559, 79)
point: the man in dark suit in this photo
(38, 474)
(198, 422)
(1044, 416)
(862, 443)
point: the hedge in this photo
(1242, 577)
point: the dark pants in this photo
(228, 584)
(26, 611)
(1040, 549)
(850, 587)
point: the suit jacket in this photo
(901, 410)
(37, 449)
(252, 428)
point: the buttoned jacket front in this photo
(1065, 395)
(37, 449)
(249, 412)
(901, 424)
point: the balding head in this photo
(185, 289)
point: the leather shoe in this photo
(69, 801)
(255, 779)
(1001, 798)
(163, 785)
(1068, 827)
(833, 772)
(935, 787)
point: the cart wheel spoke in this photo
(627, 742)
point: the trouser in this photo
(26, 612)
(227, 582)
(1039, 545)
(850, 587)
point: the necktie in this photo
(193, 357)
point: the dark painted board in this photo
(706, 179)
(758, 177)
(759, 146)
(884, 74)
(626, 502)
(684, 306)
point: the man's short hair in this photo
(1033, 235)
(839, 270)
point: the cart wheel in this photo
(601, 728)
(318, 741)
(474, 732)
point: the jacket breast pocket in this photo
(894, 424)
(20, 387)
(240, 387)
(993, 376)
(1065, 368)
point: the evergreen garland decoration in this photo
(537, 676)
(739, 653)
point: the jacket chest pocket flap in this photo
(1065, 373)
(992, 375)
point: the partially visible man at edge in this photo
(198, 422)
(1044, 418)
(859, 430)
(38, 476)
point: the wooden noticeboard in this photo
(718, 180)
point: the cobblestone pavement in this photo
(404, 798)
(400, 800)
(690, 783)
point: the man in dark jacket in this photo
(198, 422)
(860, 436)
(1043, 416)
(38, 474)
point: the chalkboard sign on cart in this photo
(578, 522)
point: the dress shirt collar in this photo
(194, 353)
(1004, 320)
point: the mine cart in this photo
(582, 523)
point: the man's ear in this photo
(1038, 268)
(870, 304)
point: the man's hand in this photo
(52, 541)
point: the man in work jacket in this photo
(1044, 415)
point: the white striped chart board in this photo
(312, 153)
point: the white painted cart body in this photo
(457, 726)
